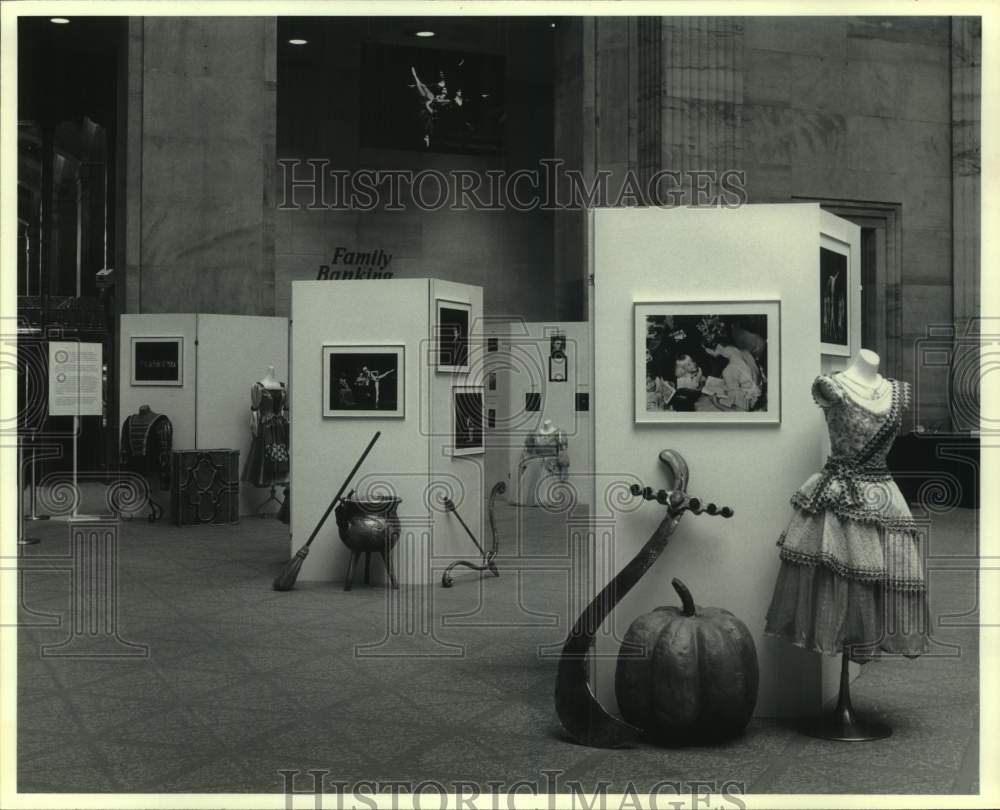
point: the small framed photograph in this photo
(835, 284)
(467, 420)
(157, 361)
(361, 381)
(708, 362)
(451, 335)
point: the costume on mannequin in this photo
(544, 454)
(851, 577)
(145, 446)
(268, 460)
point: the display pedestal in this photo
(843, 723)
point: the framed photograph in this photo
(834, 298)
(558, 362)
(157, 361)
(708, 362)
(363, 381)
(451, 335)
(467, 420)
(429, 100)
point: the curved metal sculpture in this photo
(488, 556)
(583, 717)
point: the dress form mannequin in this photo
(864, 383)
(146, 442)
(547, 427)
(267, 462)
(269, 380)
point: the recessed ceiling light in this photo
(59, 20)
(552, 25)
(298, 41)
(425, 34)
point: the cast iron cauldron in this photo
(366, 526)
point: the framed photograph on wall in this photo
(835, 284)
(157, 361)
(363, 381)
(451, 335)
(467, 420)
(707, 362)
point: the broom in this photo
(285, 581)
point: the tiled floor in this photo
(241, 682)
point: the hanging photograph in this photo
(834, 306)
(157, 361)
(363, 381)
(431, 100)
(558, 362)
(451, 335)
(467, 420)
(707, 362)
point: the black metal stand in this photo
(272, 497)
(843, 724)
(487, 563)
(22, 538)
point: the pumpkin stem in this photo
(686, 599)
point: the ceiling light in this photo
(424, 34)
(298, 42)
(59, 20)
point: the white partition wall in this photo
(234, 351)
(176, 402)
(223, 355)
(412, 457)
(705, 255)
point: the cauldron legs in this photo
(388, 569)
(368, 568)
(350, 570)
(356, 556)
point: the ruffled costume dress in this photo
(268, 460)
(851, 569)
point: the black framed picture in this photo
(532, 401)
(451, 333)
(467, 420)
(834, 302)
(713, 361)
(431, 100)
(157, 361)
(582, 401)
(363, 381)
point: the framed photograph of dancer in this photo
(705, 362)
(451, 335)
(361, 381)
(157, 361)
(467, 420)
(835, 283)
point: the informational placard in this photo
(75, 378)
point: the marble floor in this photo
(215, 683)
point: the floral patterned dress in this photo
(268, 460)
(851, 570)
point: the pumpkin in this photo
(687, 674)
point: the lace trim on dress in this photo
(845, 510)
(849, 572)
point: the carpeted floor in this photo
(241, 682)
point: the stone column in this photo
(201, 151)
(966, 81)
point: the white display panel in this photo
(755, 252)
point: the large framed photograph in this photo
(451, 335)
(467, 420)
(429, 100)
(834, 298)
(363, 381)
(708, 362)
(157, 361)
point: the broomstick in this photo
(285, 581)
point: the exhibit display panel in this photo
(218, 358)
(702, 276)
(373, 356)
(538, 378)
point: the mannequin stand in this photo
(843, 724)
(22, 538)
(272, 497)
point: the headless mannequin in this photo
(269, 380)
(864, 383)
(547, 428)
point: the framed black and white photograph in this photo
(157, 361)
(467, 420)
(558, 362)
(363, 381)
(451, 335)
(429, 100)
(834, 299)
(705, 362)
